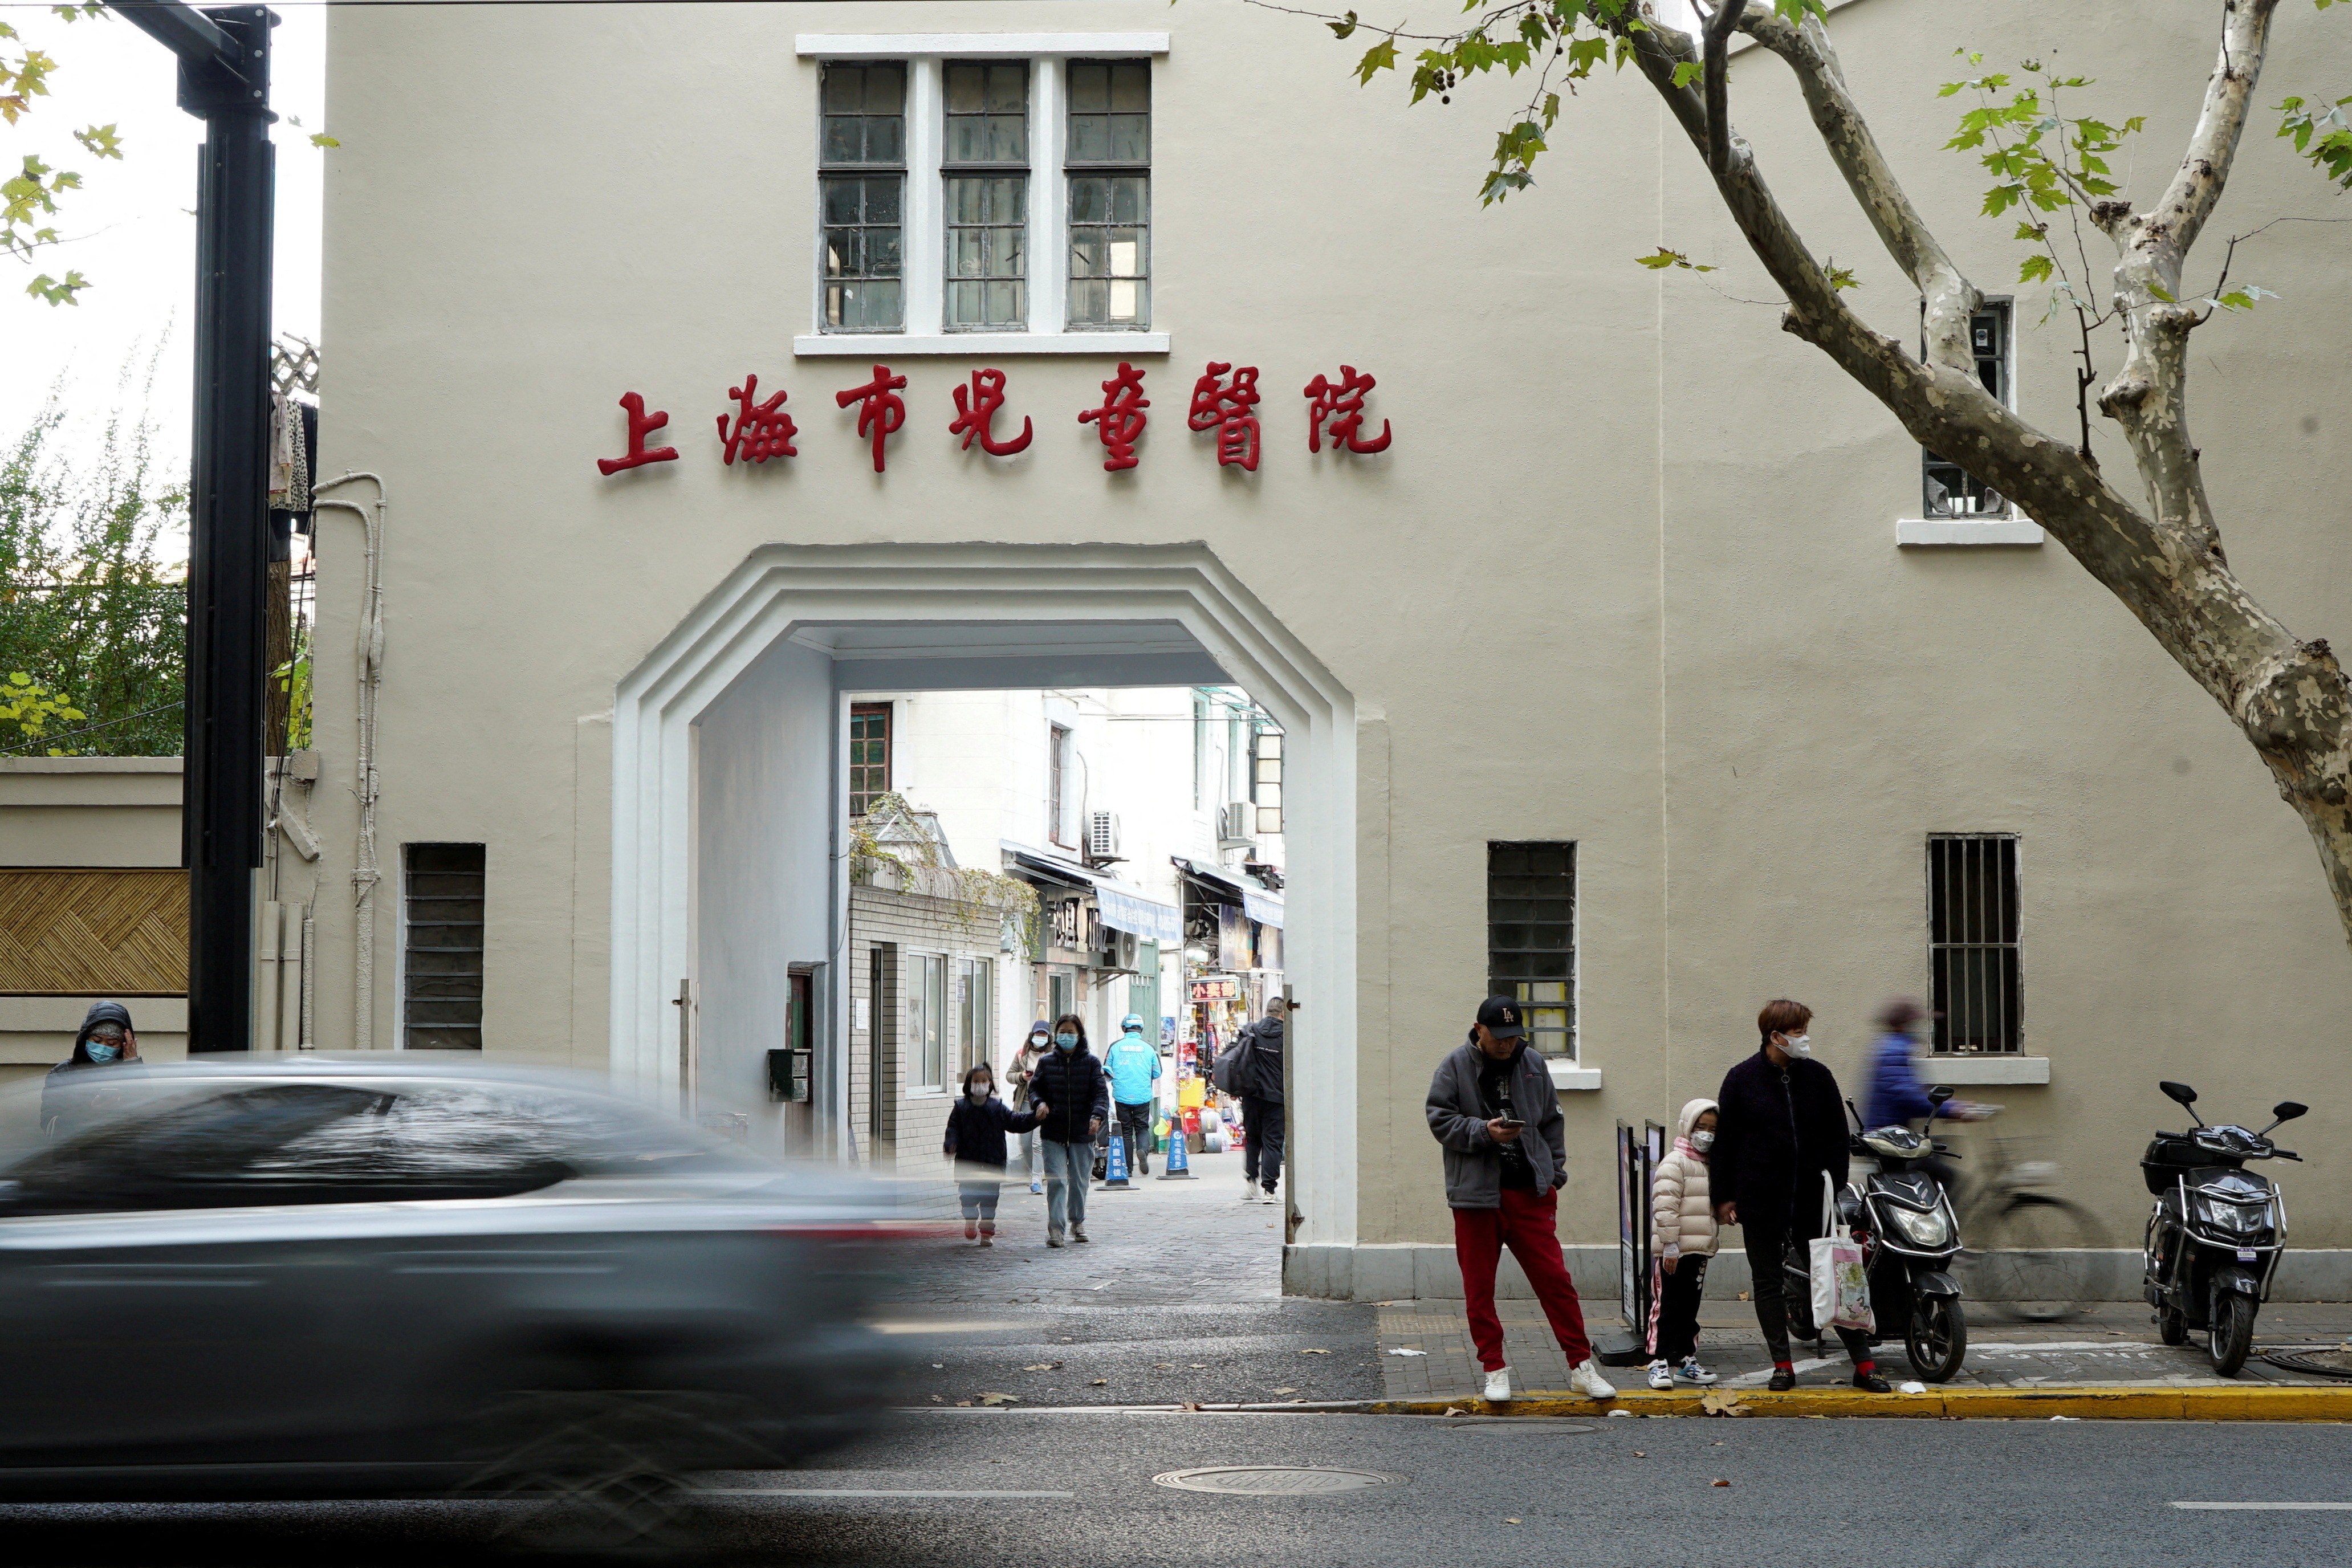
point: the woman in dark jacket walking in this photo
(1779, 1128)
(1077, 1102)
(975, 1141)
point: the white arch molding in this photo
(978, 598)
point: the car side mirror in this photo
(2288, 1110)
(2180, 1092)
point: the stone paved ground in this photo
(2109, 1342)
(1178, 1297)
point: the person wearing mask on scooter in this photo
(1781, 1126)
(1683, 1235)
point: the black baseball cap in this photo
(1501, 1016)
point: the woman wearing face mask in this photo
(1780, 1125)
(1683, 1235)
(76, 1092)
(1077, 1102)
(975, 1142)
(1024, 1068)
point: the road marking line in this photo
(2272, 1506)
(865, 1492)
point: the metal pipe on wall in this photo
(365, 873)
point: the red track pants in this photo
(1529, 1225)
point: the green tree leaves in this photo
(31, 195)
(2321, 134)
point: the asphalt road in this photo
(1609, 1492)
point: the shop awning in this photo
(1260, 905)
(1122, 908)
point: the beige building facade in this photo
(1636, 573)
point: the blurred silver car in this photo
(282, 1276)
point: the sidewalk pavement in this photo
(2109, 1345)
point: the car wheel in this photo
(596, 1470)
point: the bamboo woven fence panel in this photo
(80, 932)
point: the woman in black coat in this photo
(975, 1141)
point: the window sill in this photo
(1952, 531)
(1567, 1078)
(1987, 1069)
(884, 346)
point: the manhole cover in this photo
(1275, 1481)
(2315, 1363)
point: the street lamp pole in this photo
(223, 53)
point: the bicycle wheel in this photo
(2028, 1257)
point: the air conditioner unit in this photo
(1237, 824)
(1102, 836)
(1126, 949)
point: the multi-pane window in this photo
(1266, 780)
(441, 958)
(985, 166)
(869, 755)
(1973, 955)
(927, 1020)
(1109, 167)
(862, 179)
(1950, 491)
(1531, 937)
(975, 1012)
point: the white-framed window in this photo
(983, 193)
(1948, 492)
(975, 1014)
(928, 1026)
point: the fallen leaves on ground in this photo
(1200, 1366)
(1043, 1366)
(1314, 1352)
(1510, 1521)
(1455, 1410)
(963, 1404)
(1640, 1455)
(1715, 1402)
(1099, 1383)
(1719, 1482)
(1163, 1366)
(1190, 1404)
(1000, 1399)
(1286, 1391)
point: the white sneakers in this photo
(1249, 1189)
(1586, 1379)
(1690, 1371)
(1498, 1384)
(1661, 1375)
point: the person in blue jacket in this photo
(1134, 1067)
(1895, 1096)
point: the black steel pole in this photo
(228, 554)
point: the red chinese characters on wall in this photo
(762, 431)
(881, 411)
(976, 407)
(1226, 407)
(1339, 407)
(641, 425)
(1224, 400)
(1120, 418)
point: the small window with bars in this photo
(1949, 491)
(1108, 163)
(862, 185)
(441, 958)
(1531, 937)
(869, 755)
(1973, 954)
(985, 165)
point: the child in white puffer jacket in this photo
(1683, 1235)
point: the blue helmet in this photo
(1132, 1023)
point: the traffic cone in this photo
(1178, 1166)
(1115, 1167)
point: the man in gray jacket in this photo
(1492, 1106)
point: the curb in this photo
(2090, 1402)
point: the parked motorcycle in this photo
(2216, 1231)
(1909, 1238)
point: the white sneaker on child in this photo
(1661, 1375)
(1690, 1371)
(1586, 1379)
(1498, 1384)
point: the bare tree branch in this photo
(1948, 297)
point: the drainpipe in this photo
(365, 875)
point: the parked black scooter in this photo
(2215, 1233)
(1909, 1237)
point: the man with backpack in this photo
(1251, 1069)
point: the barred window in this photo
(1973, 952)
(986, 168)
(1109, 170)
(1949, 492)
(1531, 937)
(863, 188)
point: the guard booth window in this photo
(1531, 936)
(441, 976)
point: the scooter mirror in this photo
(2179, 1092)
(1938, 1094)
(2287, 1110)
